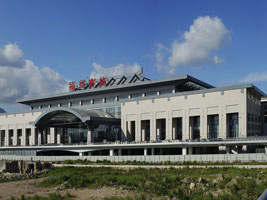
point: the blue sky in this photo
(64, 40)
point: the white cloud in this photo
(205, 36)
(11, 55)
(116, 70)
(20, 78)
(255, 77)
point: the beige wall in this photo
(202, 104)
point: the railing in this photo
(251, 138)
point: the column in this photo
(158, 128)
(190, 150)
(145, 152)
(266, 149)
(160, 151)
(174, 129)
(123, 126)
(169, 126)
(128, 131)
(120, 152)
(81, 153)
(153, 127)
(190, 129)
(15, 136)
(59, 130)
(152, 151)
(143, 131)
(23, 139)
(89, 136)
(138, 137)
(111, 152)
(204, 122)
(228, 150)
(186, 126)
(32, 137)
(184, 151)
(52, 135)
(39, 137)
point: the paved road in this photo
(163, 166)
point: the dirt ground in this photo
(27, 188)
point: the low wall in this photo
(260, 157)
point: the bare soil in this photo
(27, 188)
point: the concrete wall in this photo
(186, 106)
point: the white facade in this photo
(229, 112)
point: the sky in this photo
(46, 44)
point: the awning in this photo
(73, 117)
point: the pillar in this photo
(184, 152)
(32, 142)
(23, 139)
(153, 136)
(158, 125)
(119, 152)
(228, 150)
(168, 126)
(15, 137)
(39, 137)
(52, 135)
(111, 152)
(143, 132)
(145, 152)
(59, 130)
(190, 150)
(81, 153)
(266, 149)
(152, 151)
(160, 151)
(190, 128)
(174, 129)
(89, 136)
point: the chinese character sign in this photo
(72, 86)
(103, 81)
(91, 82)
(82, 84)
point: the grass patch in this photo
(216, 183)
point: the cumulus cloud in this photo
(116, 70)
(205, 36)
(11, 55)
(255, 77)
(20, 78)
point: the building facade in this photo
(130, 113)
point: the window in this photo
(165, 91)
(248, 117)
(123, 97)
(110, 99)
(137, 95)
(153, 93)
(98, 100)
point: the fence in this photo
(260, 157)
